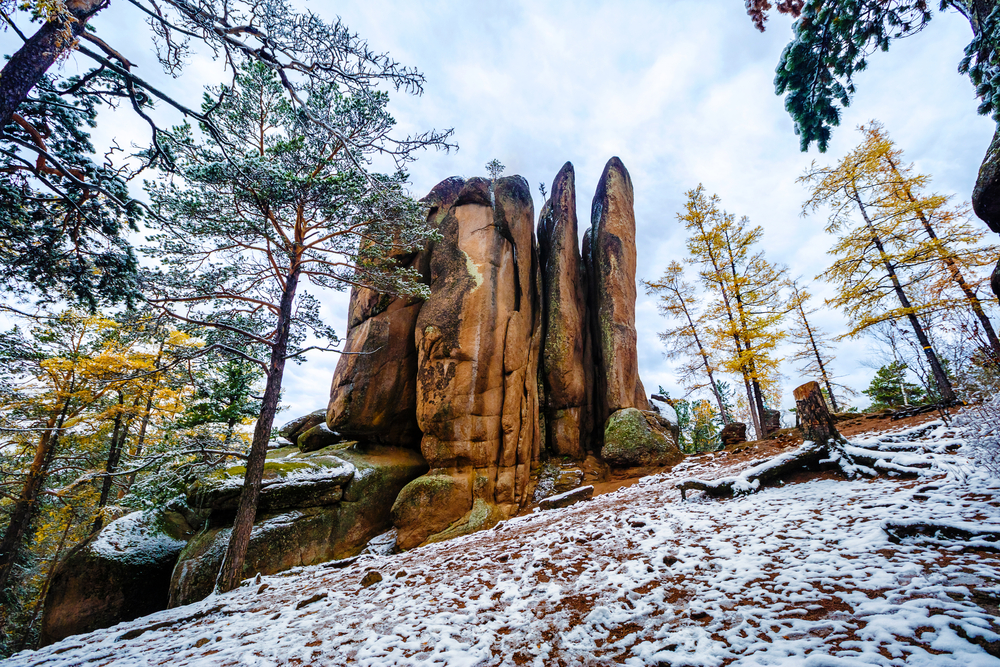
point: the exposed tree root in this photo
(824, 447)
(974, 536)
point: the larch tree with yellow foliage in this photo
(747, 306)
(688, 339)
(945, 231)
(893, 244)
(55, 374)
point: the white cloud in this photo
(681, 91)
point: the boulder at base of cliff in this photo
(296, 427)
(359, 483)
(317, 437)
(634, 438)
(429, 505)
(121, 573)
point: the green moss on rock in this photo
(632, 438)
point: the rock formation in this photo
(117, 575)
(567, 357)
(611, 257)
(314, 507)
(374, 394)
(477, 338)
(638, 438)
(440, 409)
(733, 434)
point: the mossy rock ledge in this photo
(635, 438)
(315, 507)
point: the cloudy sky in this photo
(680, 90)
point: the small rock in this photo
(371, 578)
(700, 615)
(263, 587)
(670, 560)
(310, 600)
(201, 642)
(568, 498)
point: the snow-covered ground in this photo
(802, 574)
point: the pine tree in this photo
(833, 40)
(890, 388)
(63, 217)
(874, 265)
(286, 203)
(814, 347)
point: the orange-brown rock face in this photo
(567, 359)
(477, 341)
(373, 395)
(611, 274)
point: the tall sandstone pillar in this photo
(477, 338)
(567, 358)
(610, 258)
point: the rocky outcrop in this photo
(477, 337)
(611, 257)
(373, 395)
(504, 318)
(291, 430)
(567, 358)
(635, 438)
(314, 507)
(117, 575)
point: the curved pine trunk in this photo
(231, 573)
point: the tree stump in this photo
(815, 419)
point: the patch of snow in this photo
(801, 574)
(135, 537)
(664, 409)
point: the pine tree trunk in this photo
(33, 59)
(231, 573)
(140, 440)
(940, 377)
(27, 504)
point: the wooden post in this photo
(815, 419)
